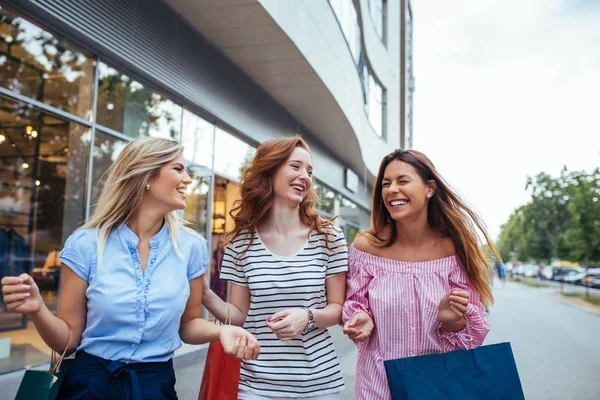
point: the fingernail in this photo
(27, 286)
(27, 294)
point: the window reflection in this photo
(196, 209)
(234, 155)
(326, 199)
(127, 106)
(197, 139)
(43, 161)
(106, 150)
(37, 64)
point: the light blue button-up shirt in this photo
(134, 316)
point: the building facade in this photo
(79, 80)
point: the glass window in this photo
(376, 12)
(326, 199)
(350, 232)
(106, 150)
(43, 163)
(197, 139)
(349, 211)
(196, 209)
(127, 106)
(348, 19)
(234, 155)
(374, 104)
(37, 64)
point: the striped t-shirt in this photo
(308, 365)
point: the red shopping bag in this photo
(221, 375)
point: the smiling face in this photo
(404, 192)
(168, 188)
(293, 179)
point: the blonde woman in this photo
(132, 288)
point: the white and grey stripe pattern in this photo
(304, 367)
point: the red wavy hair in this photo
(258, 191)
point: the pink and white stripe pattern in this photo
(403, 298)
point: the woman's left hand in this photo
(453, 306)
(239, 343)
(288, 324)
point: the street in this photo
(555, 346)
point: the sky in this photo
(506, 89)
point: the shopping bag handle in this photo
(227, 318)
(56, 363)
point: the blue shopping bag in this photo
(483, 373)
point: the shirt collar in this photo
(132, 239)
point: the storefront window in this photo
(325, 199)
(127, 106)
(37, 64)
(197, 139)
(106, 150)
(42, 200)
(196, 209)
(232, 155)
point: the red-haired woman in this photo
(418, 279)
(288, 269)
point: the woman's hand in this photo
(239, 343)
(359, 327)
(453, 306)
(21, 294)
(288, 324)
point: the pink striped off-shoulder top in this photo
(403, 298)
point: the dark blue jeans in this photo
(94, 378)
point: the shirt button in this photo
(140, 330)
(412, 328)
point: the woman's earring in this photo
(148, 186)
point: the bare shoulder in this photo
(362, 243)
(445, 246)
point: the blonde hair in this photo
(124, 189)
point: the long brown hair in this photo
(446, 213)
(258, 190)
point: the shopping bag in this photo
(221, 375)
(483, 373)
(44, 385)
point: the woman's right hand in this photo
(359, 327)
(21, 294)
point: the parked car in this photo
(562, 273)
(594, 283)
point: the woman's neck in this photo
(414, 233)
(282, 219)
(146, 224)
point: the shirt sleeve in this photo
(338, 253)
(199, 260)
(231, 266)
(76, 254)
(477, 327)
(357, 284)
